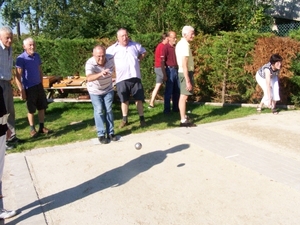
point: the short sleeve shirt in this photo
(157, 55)
(183, 49)
(102, 85)
(126, 60)
(30, 65)
(168, 53)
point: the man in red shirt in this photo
(157, 69)
(170, 70)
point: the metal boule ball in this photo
(138, 146)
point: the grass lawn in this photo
(73, 122)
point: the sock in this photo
(125, 118)
(142, 118)
(32, 128)
(41, 126)
(182, 121)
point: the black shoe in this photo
(103, 140)
(189, 119)
(112, 137)
(14, 140)
(187, 123)
(143, 123)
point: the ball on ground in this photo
(138, 146)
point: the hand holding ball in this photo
(138, 146)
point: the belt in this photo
(172, 67)
(3, 119)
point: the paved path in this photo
(240, 171)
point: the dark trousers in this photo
(172, 90)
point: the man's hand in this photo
(105, 72)
(189, 86)
(23, 95)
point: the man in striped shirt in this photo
(99, 69)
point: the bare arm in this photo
(96, 76)
(19, 84)
(163, 68)
(141, 56)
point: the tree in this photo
(101, 18)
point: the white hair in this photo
(186, 29)
(27, 40)
(5, 30)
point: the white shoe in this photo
(5, 214)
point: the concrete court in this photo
(240, 171)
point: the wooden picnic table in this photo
(58, 89)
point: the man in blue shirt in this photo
(29, 81)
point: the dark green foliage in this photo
(220, 63)
(295, 80)
(149, 42)
(223, 58)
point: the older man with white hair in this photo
(6, 63)
(30, 83)
(185, 62)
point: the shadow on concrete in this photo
(113, 178)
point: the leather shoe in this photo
(103, 140)
(33, 133)
(112, 137)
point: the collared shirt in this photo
(168, 53)
(183, 49)
(158, 54)
(126, 60)
(6, 62)
(102, 85)
(30, 69)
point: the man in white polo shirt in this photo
(185, 62)
(127, 56)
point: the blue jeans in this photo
(103, 113)
(172, 90)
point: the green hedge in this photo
(219, 74)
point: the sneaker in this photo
(33, 133)
(150, 107)
(112, 137)
(187, 123)
(5, 214)
(123, 124)
(143, 123)
(44, 131)
(103, 140)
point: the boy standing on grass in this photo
(29, 79)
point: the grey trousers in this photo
(9, 103)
